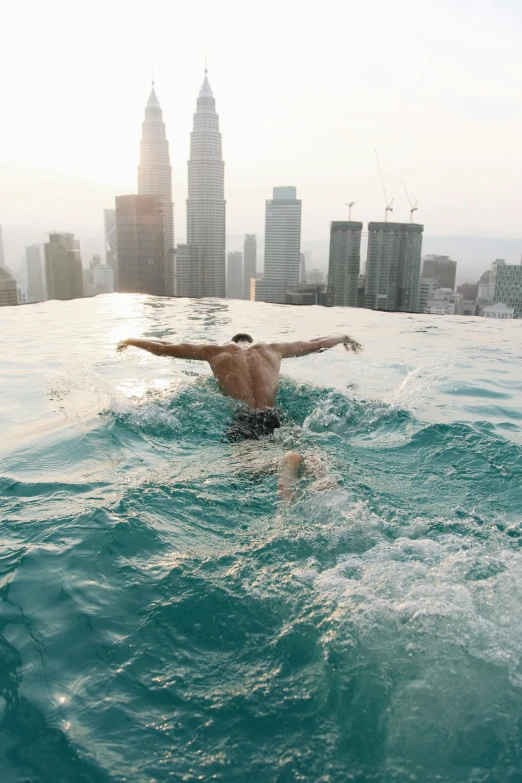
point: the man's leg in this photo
(288, 470)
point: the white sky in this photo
(305, 92)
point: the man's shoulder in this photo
(272, 347)
(267, 350)
(228, 350)
(232, 349)
(263, 347)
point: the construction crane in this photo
(413, 207)
(389, 204)
(349, 204)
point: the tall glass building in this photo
(140, 245)
(344, 263)
(393, 266)
(249, 262)
(63, 267)
(282, 246)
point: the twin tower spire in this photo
(201, 271)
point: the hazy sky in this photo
(304, 97)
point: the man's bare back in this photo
(244, 370)
(249, 372)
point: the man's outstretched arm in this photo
(304, 347)
(176, 350)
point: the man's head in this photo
(242, 339)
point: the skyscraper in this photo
(235, 275)
(140, 244)
(35, 285)
(8, 291)
(282, 246)
(344, 263)
(206, 199)
(249, 262)
(392, 267)
(507, 282)
(186, 273)
(155, 178)
(302, 268)
(109, 227)
(442, 268)
(63, 267)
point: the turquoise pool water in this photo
(164, 619)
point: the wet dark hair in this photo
(237, 338)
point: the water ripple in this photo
(164, 618)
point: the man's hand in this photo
(122, 345)
(352, 345)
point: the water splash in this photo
(420, 382)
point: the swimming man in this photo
(248, 372)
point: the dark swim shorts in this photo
(248, 424)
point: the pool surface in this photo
(165, 618)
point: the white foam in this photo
(416, 387)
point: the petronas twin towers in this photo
(196, 269)
(155, 177)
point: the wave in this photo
(166, 617)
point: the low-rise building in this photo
(264, 290)
(305, 294)
(468, 307)
(498, 310)
(427, 287)
(444, 301)
(486, 293)
(103, 279)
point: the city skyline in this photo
(431, 108)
